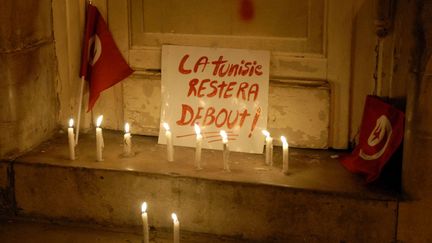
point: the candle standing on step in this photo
(169, 142)
(176, 228)
(285, 160)
(99, 139)
(127, 141)
(225, 150)
(198, 147)
(145, 222)
(71, 138)
(269, 148)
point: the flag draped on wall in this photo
(102, 64)
(381, 133)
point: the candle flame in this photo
(166, 126)
(71, 122)
(197, 129)
(284, 141)
(224, 136)
(174, 217)
(99, 121)
(127, 128)
(143, 207)
(266, 133)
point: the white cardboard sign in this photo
(218, 89)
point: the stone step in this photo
(318, 201)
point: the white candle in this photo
(127, 141)
(71, 137)
(198, 147)
(99, 139)
(269, 148)
(271, 151)
(176, 228)
(225, 150)
(145, 222)
(285, 160)
(170, 147)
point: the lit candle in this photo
(225, 150)
(198, 147)
(99, 139)
(127, 142)
(71, 137)
(176, 227)
(285, 161)
(269, 148)
(145, 222)
(170, 147)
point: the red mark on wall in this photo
(247, 11)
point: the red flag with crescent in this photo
(381, 133)
(102, 64)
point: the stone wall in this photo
(28, 104)
(415, 214)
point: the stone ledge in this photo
(310, 170)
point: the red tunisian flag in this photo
(102, 64)
(381, 133)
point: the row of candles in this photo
(144, 217)
(127, 148)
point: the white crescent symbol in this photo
(382, 128)
(97, 49)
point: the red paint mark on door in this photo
(247, 11)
